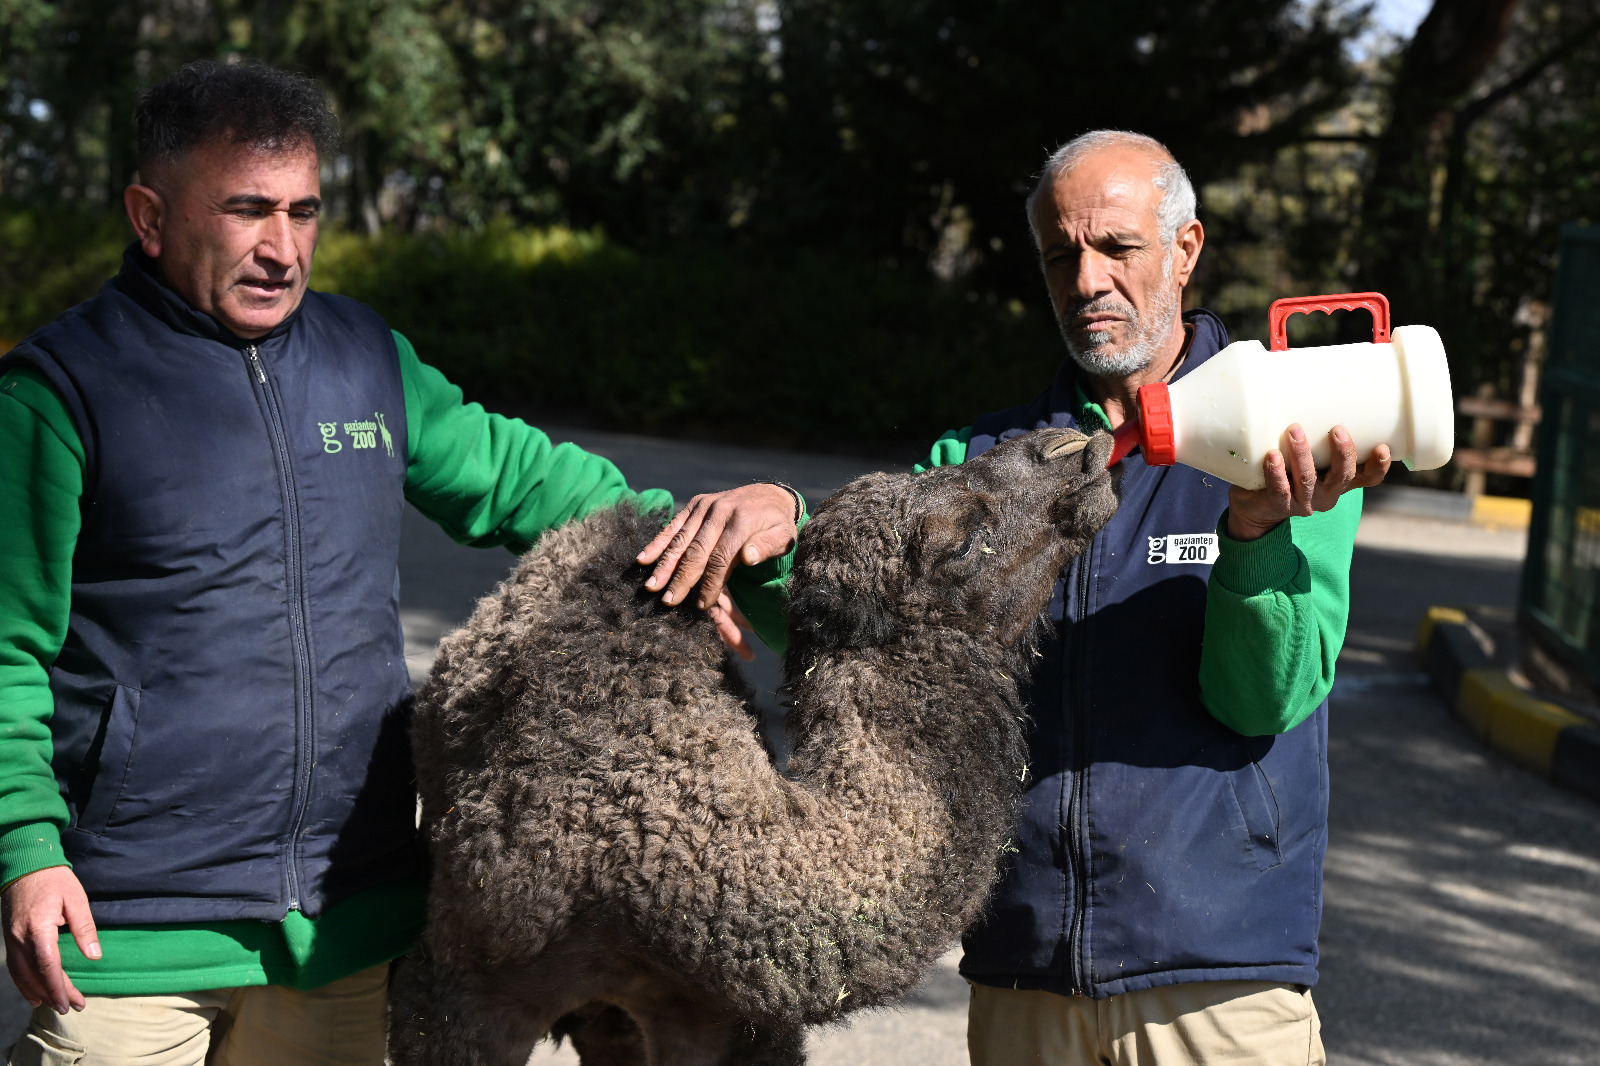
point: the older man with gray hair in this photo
(1163, 901)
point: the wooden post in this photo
(1535, 315)
(1515, 457)
(1482, 437)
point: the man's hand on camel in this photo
(1293, 487)
(710, 536)
(35, 907)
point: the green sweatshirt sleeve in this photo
(41, 480)
(489, 480)
(948, 450)
(1276, 611)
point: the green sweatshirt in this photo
(1276, 608)
(485, 479)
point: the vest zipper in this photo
(1076, 814)
(294, 564)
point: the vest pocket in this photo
(111, 768)
(1258, 809)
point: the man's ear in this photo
(147, 211)
(1186, 245)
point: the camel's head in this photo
(974, 547)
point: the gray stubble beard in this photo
(1147, 334)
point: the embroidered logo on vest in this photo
(363, 434)
(1199, 548)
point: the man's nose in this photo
(277, 240)
(1094, 275)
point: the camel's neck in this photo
(942, 720)
(850, 875)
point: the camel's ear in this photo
(826, 614)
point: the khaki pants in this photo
(1240, 1023)
(341, 1024)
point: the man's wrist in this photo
(29, 848)
(794, 493)
(1244, 529)
(30, 873)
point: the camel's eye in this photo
(974, 541)
(945, 539)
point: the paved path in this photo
(1462, 913)
(1461, 921)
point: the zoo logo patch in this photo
(363, 434)
(1197, 548)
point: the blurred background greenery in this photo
(799, 221)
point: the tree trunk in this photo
(1450, 51)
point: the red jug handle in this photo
(1278, 314)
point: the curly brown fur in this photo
(606, 827)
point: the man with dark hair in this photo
(204, 771)
(248, 104)
(1162, 903)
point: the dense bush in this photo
(819, 350)
(50, 260)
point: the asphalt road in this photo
(1461, 920)
(1461, 917)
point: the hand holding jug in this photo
(1226, 415)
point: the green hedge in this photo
(815, 350)
(50, 260)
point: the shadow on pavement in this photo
(1461, 919)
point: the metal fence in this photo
(1561, 578)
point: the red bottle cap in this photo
(1157, 439)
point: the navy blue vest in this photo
(1156, 845)
(231, 700)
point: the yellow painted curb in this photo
(1434, 616)
(1521, 726)
(1475, 699)
(1501, 512)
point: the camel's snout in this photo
(1058, 444)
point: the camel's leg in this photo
(443, 1017)
(767, 1045)
(605, 1035)
(602, 1035)
(720, 1042)
(596, 961)
(679, 1031)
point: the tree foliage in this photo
(916, 124)
(896, 135)
(1525, 160)
(902, 127)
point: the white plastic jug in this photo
(1228, 413)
